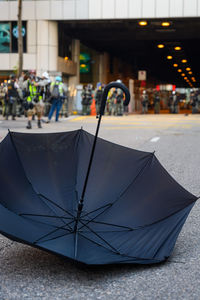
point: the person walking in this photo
(33, 100)
(11, 98)
(57, 96)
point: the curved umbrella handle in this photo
(102, 108)
(106, 91)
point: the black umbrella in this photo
(88, 199)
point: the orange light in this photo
(188, 69)
(175, 65)
(184, 61)
(143, 23)
(83, 65)
(179, 70)
(66, 58)
(185, 78)
(160, 46)
(183, 74)
(177, 48)
(169, 57)
(190, 72)
(165, 24)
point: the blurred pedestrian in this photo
(11, 98)
(33, 101)
(194, 102)
(144, 102)
(57, 96)
(119, 103)
(177, 99)
(98, 97)
(156, 103)
(86, 99)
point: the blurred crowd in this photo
(114, 105)
(33, 97)
(37, 97)
(175, 101)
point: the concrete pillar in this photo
(47, 46)
(103, 66)
(75, 80)
(131, 107)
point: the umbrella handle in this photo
(106, 91)
(102, 108)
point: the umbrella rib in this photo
(146, 225)
(57, 237)
(118, 253)
(46, 216)
(110, 224)
(55, 217)
(109, 204)
(61, 227)
(100, 237)
(56, 204)
(136, 177)
(114, 251)
(51, 232)
(179, 222)
(95, 216)
(133, 181)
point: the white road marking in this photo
(155, 139)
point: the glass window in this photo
(5, 37)
(14, 35)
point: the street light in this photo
(184, 61)
(190, 72)
(188, 69)
(169, 57)
(177, 48)
(179, 70)
(183, 74)
(165, 24)
(175, 65)
(160, 46)
(143, 23)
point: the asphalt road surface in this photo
(28, 273)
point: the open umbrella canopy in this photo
(131, 210)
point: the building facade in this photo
(43, 40)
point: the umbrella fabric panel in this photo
(113, 168)
(20, 228)
(16, 192)
(62, 245)
(153, 243)
(153, 196)
(50, 163)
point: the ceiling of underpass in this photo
(138, 45)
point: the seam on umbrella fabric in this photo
(118, 253)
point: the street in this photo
(29, 273)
